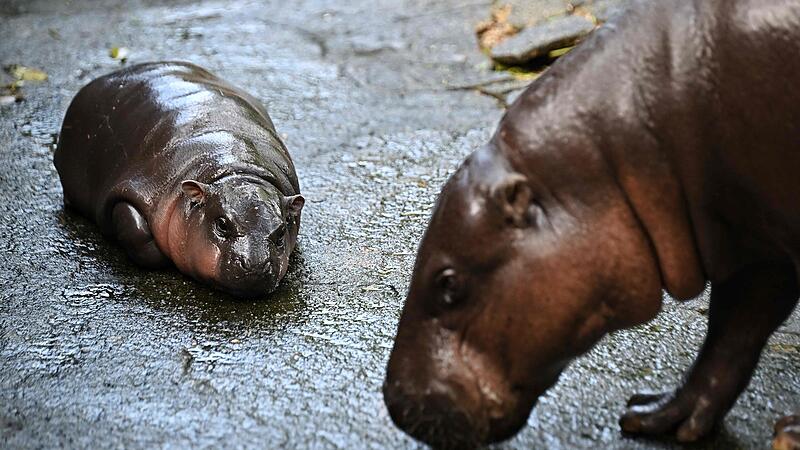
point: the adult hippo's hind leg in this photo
(133, 233)
(744, 311)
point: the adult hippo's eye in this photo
(449, 286)
(222, 227)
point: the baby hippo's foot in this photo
(787, 434)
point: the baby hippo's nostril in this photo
(241, 263)
(253, 265)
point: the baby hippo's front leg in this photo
(133, 233)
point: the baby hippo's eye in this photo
(449, 285)
(222, 227)
(279, 236)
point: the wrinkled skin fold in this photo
(657, 155)
(180, 167)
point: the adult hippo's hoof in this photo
(181, 167)
(787, 434)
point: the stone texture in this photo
(525, 13)
(603, 10)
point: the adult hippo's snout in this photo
(433, 416)
(448, 393)
(435, 398)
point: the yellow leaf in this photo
(559, 52)
(118, 53)
(26, 73)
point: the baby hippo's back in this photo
(134, 134)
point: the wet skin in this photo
(182, 168)
(656, 155)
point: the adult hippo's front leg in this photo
(744, 312)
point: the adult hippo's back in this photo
(178, 165)
(661, 153)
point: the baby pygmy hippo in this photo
(180, 167)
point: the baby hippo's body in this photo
(180, 167)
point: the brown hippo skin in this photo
(661, 153)
(179, 166)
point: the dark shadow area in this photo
(170, 291)
(533, 66)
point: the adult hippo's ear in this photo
(195, 190)
(513, 197)
(294, 204)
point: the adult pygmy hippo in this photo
(178, 165)
(660, 154)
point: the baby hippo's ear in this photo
(294, 204)
(195, 190)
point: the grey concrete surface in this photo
(529, 13)
(96, 353)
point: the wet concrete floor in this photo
(94, 352)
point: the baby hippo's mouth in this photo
(250, 281)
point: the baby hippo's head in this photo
(239, 234)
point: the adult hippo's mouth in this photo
(439, 417)
(458, 398)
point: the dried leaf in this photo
(14, 86)
(23, 73)
(492, 31)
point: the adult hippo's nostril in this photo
(433, 416)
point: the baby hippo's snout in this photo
(251, 280)
(252, 265)
(254, 272)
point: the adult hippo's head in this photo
(517, 274)
(237, 233)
